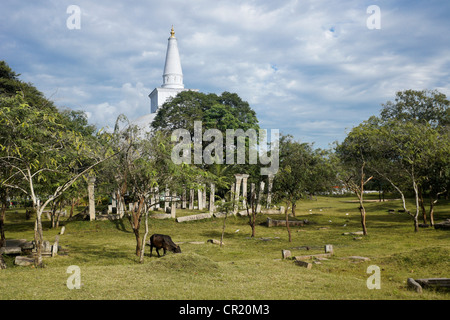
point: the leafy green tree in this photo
(353, 169)
(428, 114)
(302, 171)
(38, 148)
(429, 106)
(222, 112)
(143, 163)
(408, 146)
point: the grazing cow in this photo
(163, 241)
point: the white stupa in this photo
(172, 83)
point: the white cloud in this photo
(300, 64)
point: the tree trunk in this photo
(138, 242)
(38, 239)
(432, 214)
(2, 224)
(135, 221)
(416, 215)
(294, 205)
(141, 260)
(362, 210)
(422, 206)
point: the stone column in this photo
(91, 184)
(239, 178)
(173, 205)
(244, 190)
(166, 203)
(261, 194)
(200, 199)
(191, 199)
(183, 204)
(212, 198)
(152, 198)
(157, 198)
(204, 196)
(269, 190)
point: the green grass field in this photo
(244, 268)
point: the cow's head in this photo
(176, 249)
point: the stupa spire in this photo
(173, 74)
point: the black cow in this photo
(163, 241)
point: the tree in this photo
(425, 117)
(429, 106)
(302, 171)
(408, 146)
(143, 163)
(38, 147)
(353, 169)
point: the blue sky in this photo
(312, 69)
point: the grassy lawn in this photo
(245, 268)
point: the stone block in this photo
(285, 254)
(23, 261)
(329, 248)
(304, 264)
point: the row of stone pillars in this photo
(171, 202)
(241, 180)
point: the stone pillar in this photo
(244, 190)
(200, 199)
(91, 184)
(237, 192)
(212, 198)
(166, 203)
(157, 198)
(152, 198)
(261, 193)
(113, 207)
(204, 196)
(191, 199)
(183, 203)
(173, 205)
(269, 190)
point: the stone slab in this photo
(23, 261)
(359, 258)
(194, 217)
(10, 250)
(279, 223)
(161, 216)
(312, 256)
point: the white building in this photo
(172, 83)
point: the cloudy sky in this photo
(313, 69)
